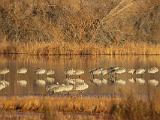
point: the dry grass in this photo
(109, 108)
(65, 104)
(73, 48)
(73, 27)
(55, 116)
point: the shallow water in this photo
(60, 63)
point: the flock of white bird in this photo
(113, 71)
(77, 84)
(72, 84)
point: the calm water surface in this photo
(60, 63)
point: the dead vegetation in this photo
(109, 108)
(74, 48)
(104, 24)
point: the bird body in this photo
(79, 72)
(22, 83)
(50, 72)
(67, 88)
(50, 87)
(131, 71)
(96, 71)
(120, 82)
(74, 81)
(40, 71)
(104, 72)
(41, 82)
(131, 80)
(153, 82)
(140, 71)
(57, 89)
(70, 72)
(97, 81)
(50, 80)
(4, 71)
(22, 71)
(60, 88)
(104, 81)
(81, 87)
(120, 71)
(153, 70)
(140, 80)
(3, 84)
(112, 69)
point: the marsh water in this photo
(86, 63)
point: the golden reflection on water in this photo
(59, 63)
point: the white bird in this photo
(22, 83)
(140, 71)
(60, 88)
(57, 89)
(79, 72)
(131, 71)
(67, 88)
(131, 80)
(153, 82)
(4, 72)
(81, 87)
(50, 72)
(113, 69)
(97, 81)
(50, 80)
(22, 71)
(50, 87)
(40, 71)
(74, 81)
(120, 70)
(120, 82)
(96, 72)
(70, 72)
(140, 80)
(41, 82)
(153, 70)
(3, 84)
(104, 81)
(104, 72)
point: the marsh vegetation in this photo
(79, 27)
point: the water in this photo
(59, 63)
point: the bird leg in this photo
(93, 76)
(112, 78)
(115, 78)
(109, 76)
(4, 77)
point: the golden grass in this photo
(73, 48)
(53, 116)
(116, 109)
(66, 104)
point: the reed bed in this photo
(55, 116)
(73, 48)
(65, 104)
(109, 108)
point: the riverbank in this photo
(113, 108)
(85, 48)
